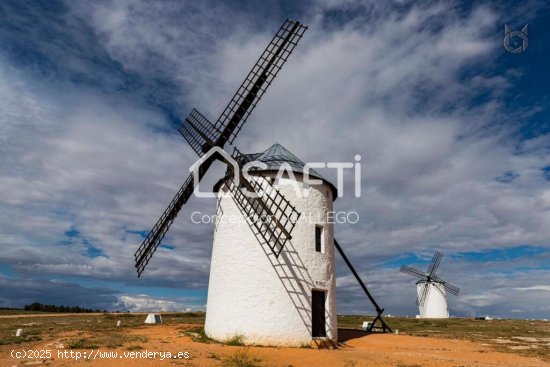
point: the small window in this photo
(318, 238)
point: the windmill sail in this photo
(436, 260)
(267, 209)
(201, 134)
(153, 239)
(453, 289)
(425, 293)
(258, 80)
(412, 271)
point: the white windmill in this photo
(431, 290)
(272, 276)
(269, 288)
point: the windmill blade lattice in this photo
(267, 209)
(421, 301)
(453, 289)
(258, 80)
(155, 236)
(412, 271)
(201, 134)
(436, 261)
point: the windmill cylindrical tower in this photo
(287, 300)
(435, 304)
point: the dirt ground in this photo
(358, 350)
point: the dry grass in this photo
(197, 334)
(86, 331)
(4, 311)
(525, 337)
(236, 340)
(528, 338)
(242, 358)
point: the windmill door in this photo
(318, 327)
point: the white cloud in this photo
(145, 303)
(544, 288)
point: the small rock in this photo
(36, 363)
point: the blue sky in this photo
(454, 133)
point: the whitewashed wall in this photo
(436, 303)
(267, 299)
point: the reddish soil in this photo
(369, 350)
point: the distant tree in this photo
(36, 306)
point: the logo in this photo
(195, 170)
(515, 42)
(284, 171)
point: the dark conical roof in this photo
(277, 155)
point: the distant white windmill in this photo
(431, 290)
